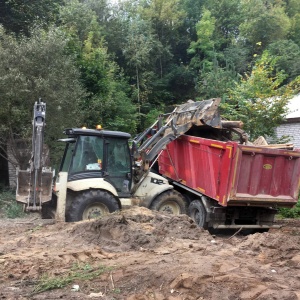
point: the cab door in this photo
(118, 165)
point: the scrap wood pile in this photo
(232, 131)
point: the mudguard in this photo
(152, 186)
(91, 183)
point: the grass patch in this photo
(78, 272)
(9, 207)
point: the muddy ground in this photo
(142, 255)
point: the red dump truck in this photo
(230, 185)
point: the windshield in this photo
(88, 155)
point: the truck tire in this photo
(198, 213)
(90, 205)
(170, 202)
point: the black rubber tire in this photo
(90, 205)
(49, 208)
(48, 211)
(198, 213)
(170, 202)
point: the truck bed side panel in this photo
(201, 164)
(233, 174)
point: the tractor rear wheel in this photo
(170, 202)
(90, 205)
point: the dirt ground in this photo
(139, 254)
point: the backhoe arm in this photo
(34, 184)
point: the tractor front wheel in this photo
(90, 205)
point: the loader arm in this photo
(169, 127)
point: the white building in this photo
(291, 127)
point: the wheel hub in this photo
(95, 211)
(170, 208)
(197, 217)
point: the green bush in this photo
(290, 212)
(9, 208)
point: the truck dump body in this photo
(233, 174)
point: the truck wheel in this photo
(170, 202)
(198, 213)
(90, 205)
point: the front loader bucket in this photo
(196, 113)
(43, 191)
(165, 130)
(179, 122)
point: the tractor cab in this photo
(103, 154)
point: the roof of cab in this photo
(71, 132)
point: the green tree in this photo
(19, 16)
(292, 7)
(237, 55)
(108, 102)
(215, 81)
(141, 43)
(265, 21)
(203, 48)
(228, 17)
(295, 28)
(287, 55)
(78, 20)
(31, 68)
(165, 17)
(259, 100)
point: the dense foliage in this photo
(120, 64)
(290, 212)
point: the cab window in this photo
(118, 156)
(88, 154)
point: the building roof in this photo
(294, 108)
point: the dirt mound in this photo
(144, 256)
(137, 227)
(273, 246)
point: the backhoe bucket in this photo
(25, 193)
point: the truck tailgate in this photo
(233, 174)
(265, 176)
